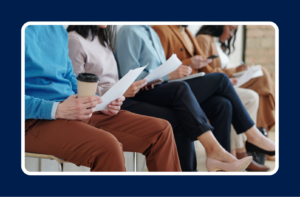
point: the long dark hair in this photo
(106, 36)
(217, 31)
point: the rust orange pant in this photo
(99, 142)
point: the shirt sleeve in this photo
(71, 76)
(54, 108)
(36, 108)
(128, 47)
(76, 55)
(76, 61)
(78, 58)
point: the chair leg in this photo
(40, 164)
(134, 161)
(61, 167)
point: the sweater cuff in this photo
(53, 111)
(165, 78)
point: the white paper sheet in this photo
(256, 69)
(117, 90)
(257, 72)
(167, 67)
(252, 72)
(201, 74)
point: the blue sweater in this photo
(136, 46)
(49, 76)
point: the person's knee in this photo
(220, 78)
(253, 97)
(113, 146)
(182, 86)
(225, 78)
(162, 126)
(109, 144)
(226, 106)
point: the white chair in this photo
(61, 161)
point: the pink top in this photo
(91, 57)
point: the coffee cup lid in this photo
(87, 77)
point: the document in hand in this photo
(167, 67)
(117, 90)
(252, 72)
(201, 74)
(256, 69)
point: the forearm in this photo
(36, 108)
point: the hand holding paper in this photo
(119, 88)
(114, 107)
(252, 72)
(167, 67)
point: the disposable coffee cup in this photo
(86, 84)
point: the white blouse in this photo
(223, 56)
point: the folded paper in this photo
(166, 68)
(252, 72)
(117, 90)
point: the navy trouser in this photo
(221, 104)
(178, 102)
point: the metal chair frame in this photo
(61, 161)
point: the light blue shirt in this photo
(136, 46)
(49, 76)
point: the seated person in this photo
(91, 50)
(178, 39)
(60, 124)
(215, 39)
(138, 45)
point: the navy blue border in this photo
(14, 182)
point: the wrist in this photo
(171, 76)
(54, 109)
(58, 111)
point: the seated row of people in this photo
(166, 119)
(257, 95)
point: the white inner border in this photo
(151, 173)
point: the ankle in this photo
(253, 134)
(240, 150)
(212, 150)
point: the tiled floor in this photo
(201, 155)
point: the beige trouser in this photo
(250, 100)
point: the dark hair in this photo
(217, 31)
(106, 35)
